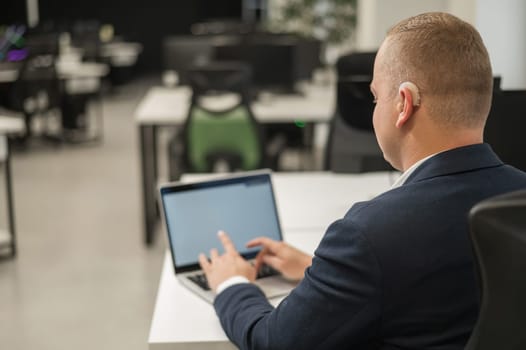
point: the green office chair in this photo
(228, 135)
(221, 139)
(498, 233)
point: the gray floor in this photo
(83, 278)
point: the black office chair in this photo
(505, 126)
(352, 146)
(221, 139)
(37, 90)
(498, 233)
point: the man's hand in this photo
(222, 267)
(290, 261)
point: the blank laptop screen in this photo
(243, 207)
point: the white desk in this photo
(169, 106)
(121, 53)
(8, 72)
(77, 70)
(81, 77)
(313, 200)
(182, 320)
(76, 77)
(8, 126)
(66, 70)
(164, 106)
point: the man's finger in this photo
(205, 264)
(259, 258)
(213, 254)
(266, 242)
(273, 262)
(226, 242)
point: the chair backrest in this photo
(352, 150)
(352, 146)
(505, 126)
(229, 133)
(38, 82)
(498, 233)
(354, 101)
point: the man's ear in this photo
(409, 99)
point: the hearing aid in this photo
(415, 94)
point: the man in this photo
(397, 271)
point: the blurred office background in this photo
(83, 78)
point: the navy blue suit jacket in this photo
(395, 273)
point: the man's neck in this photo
(433, 144)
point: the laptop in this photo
(243, 205)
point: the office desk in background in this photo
(77, 78)
(307, 204)
(8, 126)
(164, 106)
(66, 70)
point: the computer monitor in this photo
(184, 51)
(278, 61)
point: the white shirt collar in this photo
(402, 179)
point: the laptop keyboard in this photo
(200, 278)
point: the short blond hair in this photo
(446, 58)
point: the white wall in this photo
(465, 9)
(375, 17)
(502, 25)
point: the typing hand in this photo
(222, 267)
(288, 260)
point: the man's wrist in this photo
(230, 282)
